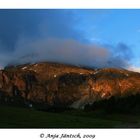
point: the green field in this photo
(14, 117)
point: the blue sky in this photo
(114, 32)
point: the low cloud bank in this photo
(67, 51)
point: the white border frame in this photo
(76, 4)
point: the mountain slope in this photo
(59, 85)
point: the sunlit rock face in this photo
(62, 85)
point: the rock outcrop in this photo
(62, 85)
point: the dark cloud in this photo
(14, 23)
(40, 35)
(35, 23)
(124, 51)
(121, 55)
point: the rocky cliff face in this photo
(61, 85)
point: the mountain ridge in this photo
(61, 85)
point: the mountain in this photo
(60, 85)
